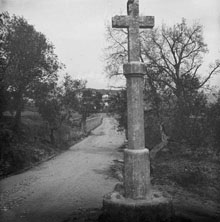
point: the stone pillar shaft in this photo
(136, 157)
(134, 72)
(135, 112)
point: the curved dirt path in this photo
(75, 179)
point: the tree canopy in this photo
(174, 80)
(29, 61)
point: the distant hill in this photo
(106, 91)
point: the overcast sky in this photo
(77, 28)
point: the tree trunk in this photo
(17, 118)
(83, 124)
(52, 139)
(1, 115)
(180, 121)
(161, 145)
(126, 133)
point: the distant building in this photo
(105, 100)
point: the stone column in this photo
(136, 157)
(134, 200)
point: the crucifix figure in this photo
(136, 157)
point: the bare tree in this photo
(173, 58)
(176, 55)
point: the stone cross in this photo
(133, 22)
(136, 157)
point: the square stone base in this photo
(155, 208)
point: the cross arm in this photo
(146, 22)
(120, 21)
(125, 21)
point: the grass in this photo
(191, 177)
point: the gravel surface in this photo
(76, 180)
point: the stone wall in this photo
(68, 134)
(92, 123)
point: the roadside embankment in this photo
(33, 144)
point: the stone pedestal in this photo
(155, 208)
(136, 173)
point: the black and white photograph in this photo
(109, 111)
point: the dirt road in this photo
(75, 179)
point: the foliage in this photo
(72, 89)
(175, 55)
(213, 123)
(3, 33)
(50, 110)
(77, 98)
(29, 75)
(173, 94)
(29, 62)
(89, 102)
(118, 106)
(60, 104)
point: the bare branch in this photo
(171, 48)
(188, 43)
(213, 71)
